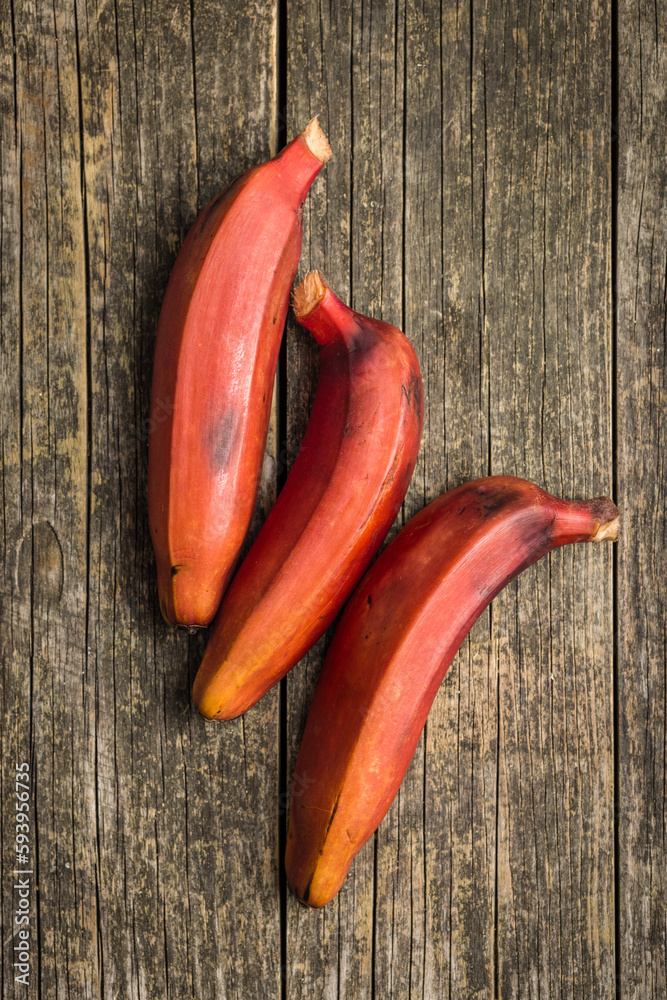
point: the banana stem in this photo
(593, 520)
(299, 163)
(321, 311)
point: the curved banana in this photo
(395, 640)
(216, 353)
(340, 499)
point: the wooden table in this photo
(498, 189)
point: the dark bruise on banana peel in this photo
(216, 353)
(393, 645)
(340, 499)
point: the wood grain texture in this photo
(46, 685)
(470, 201)
(548, 312)
(155, 835)
(328, 952)
(641, 413)
(461, 745)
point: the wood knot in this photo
(40, 564)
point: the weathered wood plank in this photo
(380, 274)
(547, 312)
(329, 952)
(461, 732)
(400, 218)
(156, 834)
(45, 438)
(641, 414)
(209, 801)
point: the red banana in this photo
(393, 645)
(340, 499)
(216, 353)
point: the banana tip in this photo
(308, 294)
(202, 701)
(316, 140)
(209, 706)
